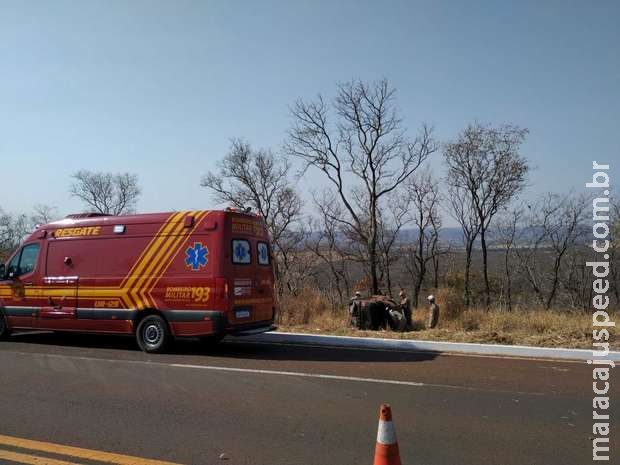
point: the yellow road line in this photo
(73, 452)
(31, 459)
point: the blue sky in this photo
(159, 88)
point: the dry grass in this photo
(312, 313)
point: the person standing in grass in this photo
(433, 313)
(355, 310)
(405, 305)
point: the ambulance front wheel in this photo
(153, 334)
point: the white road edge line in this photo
(279, 373)
(299, 374)
(345, 378)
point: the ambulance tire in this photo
(153, 334)
(5, 332)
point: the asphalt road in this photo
(275, 404)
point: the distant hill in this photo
(454, 237)
(446, 235)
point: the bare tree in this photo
(260, 180)
(485, 163)
(43, 214)
(7, 237)
(461, 208)
(297, 264)
(365, 154)
(106, 193)
(437, 250)
(554, 227)
(564, 231)
(328, 245)
(576, 279)
(508, 231)
(424, 194)
(391, 222)
(13, 229)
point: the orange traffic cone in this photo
(386, 451)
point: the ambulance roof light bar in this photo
(239, 210)
(80, 216)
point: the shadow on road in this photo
(230, 348)
(266, 351)
(68, 339)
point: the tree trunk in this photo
(373, 249)
(508, 279)
(468, 249)
(278, 277)
(554, 284)
(485, 269)
(420, 259)
(417, 286)
(374, 278)
(388, 278)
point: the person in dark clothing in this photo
(355, 310)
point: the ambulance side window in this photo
(25, 261)
(11, 268)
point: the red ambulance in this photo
(187, 274)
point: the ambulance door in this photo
(59, 294)
(21, 302)
(264, 303)
(60, 300)
(244, 275)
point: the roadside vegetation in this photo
(535, 326)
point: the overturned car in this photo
(377, 312)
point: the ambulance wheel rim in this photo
(152, 334)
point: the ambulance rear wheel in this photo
(5, 332)
(153, 334)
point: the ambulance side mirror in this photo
(6, 273)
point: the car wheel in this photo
(153, 334)
(5, 332)
(397, 321)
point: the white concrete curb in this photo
(426, 346)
